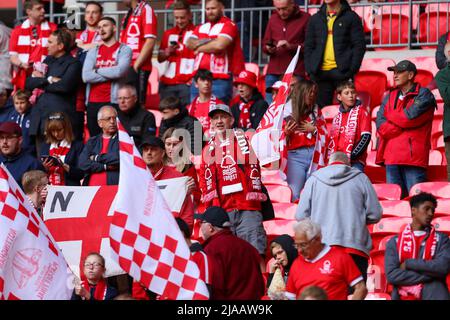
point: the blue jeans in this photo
(270, 80)
(298, 163)
(405, 176)
(358, 165)
(222, 89)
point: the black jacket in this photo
(184, 121)
(75, 174)
(139, 123)
(348, 40)
(441, 60)
(21, 163)
(93, 148)
(287, 243)
(257, 110)
(57, 97)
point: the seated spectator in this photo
(22, 116)
(153, 152)
(318, 264)
(284, 252)
(313, 293)
(252, 106)
(417, 260)
(100, 156)
(201, 104)
(139, 123)
(404, 127)
(104, 69)
(236, 273)
(60, 152)
(34, 184)
(305, 130)
(177, 116)
(6, 106)
(11, 154)
(352, 126)
(59, 83)
(95, 287)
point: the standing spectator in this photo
(59, 84)
(174, 114)
(304, 129)
(342, 201)
(22, 116)
(251, 107)
(199, 108)
(100, 157)
(90, 37)
(33, 33)
(443, 83)
(236, 274)
(417, 260)
(104, 69)
(5, 62)
(11, 154)
(60, 152)
(404, 126)
(442, 52)
(230, 177)
(217, 47)
(285, 31)
(176, 79)
(318, 264)
(334, 47)
(352, 126)
(139, 30)
(139, 123)
(34, 184)
(153, 152)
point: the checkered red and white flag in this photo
(144, 236)
(31, 265)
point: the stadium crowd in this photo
(58, 126)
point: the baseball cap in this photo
(217, 216)
(152, 141)
(11, 128)
(246, 77)
(275, 86)
(404, 65)
(219, 107)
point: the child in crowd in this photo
(22, 116)
(352, 127)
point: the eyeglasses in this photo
(108, 119)
(8, 137)
(304, 245)
(93, 265)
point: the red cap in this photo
(246, 77)
(11, 128)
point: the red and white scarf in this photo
(99, 291)
(85, 35)
(56, 173)
(349, 131)
(234, 150)
(244, 116)
(409, 249)
(319, 159)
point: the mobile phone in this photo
(55, 161)
(173, 43)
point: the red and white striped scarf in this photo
(349, 131)
(319, 159)
(244, 116)
(56, 173)
(99, 291)
(409, 249)
(85, 34)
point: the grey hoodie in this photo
(342, 200)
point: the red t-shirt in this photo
(100, 179)
(200, 111)
(106, 58)
(364, 125)
(300, 139)
(141, 26)
(332, 270)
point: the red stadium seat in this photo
(329, 112)
(393, 31)
(278, 227)
(158, 117)
(395, 208)
(386, 227)
(279, 193)
(435, 158)
(426, 69)
(387, 191)
(431, 26)
(285, 211)
(374, 82)
(443, 208)
(365, 99)
(272, 177)
(438, 189)
(252, 67)
(442, 224)
(381, 65)
(436, 132)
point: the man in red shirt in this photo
(216, 45)
(103, 70)
(139, 30)
(28, 43)
(176, 79)
(318, 264)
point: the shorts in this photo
(248, 225)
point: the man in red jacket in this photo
(404, 125)
(235, 263)
(284, 33)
